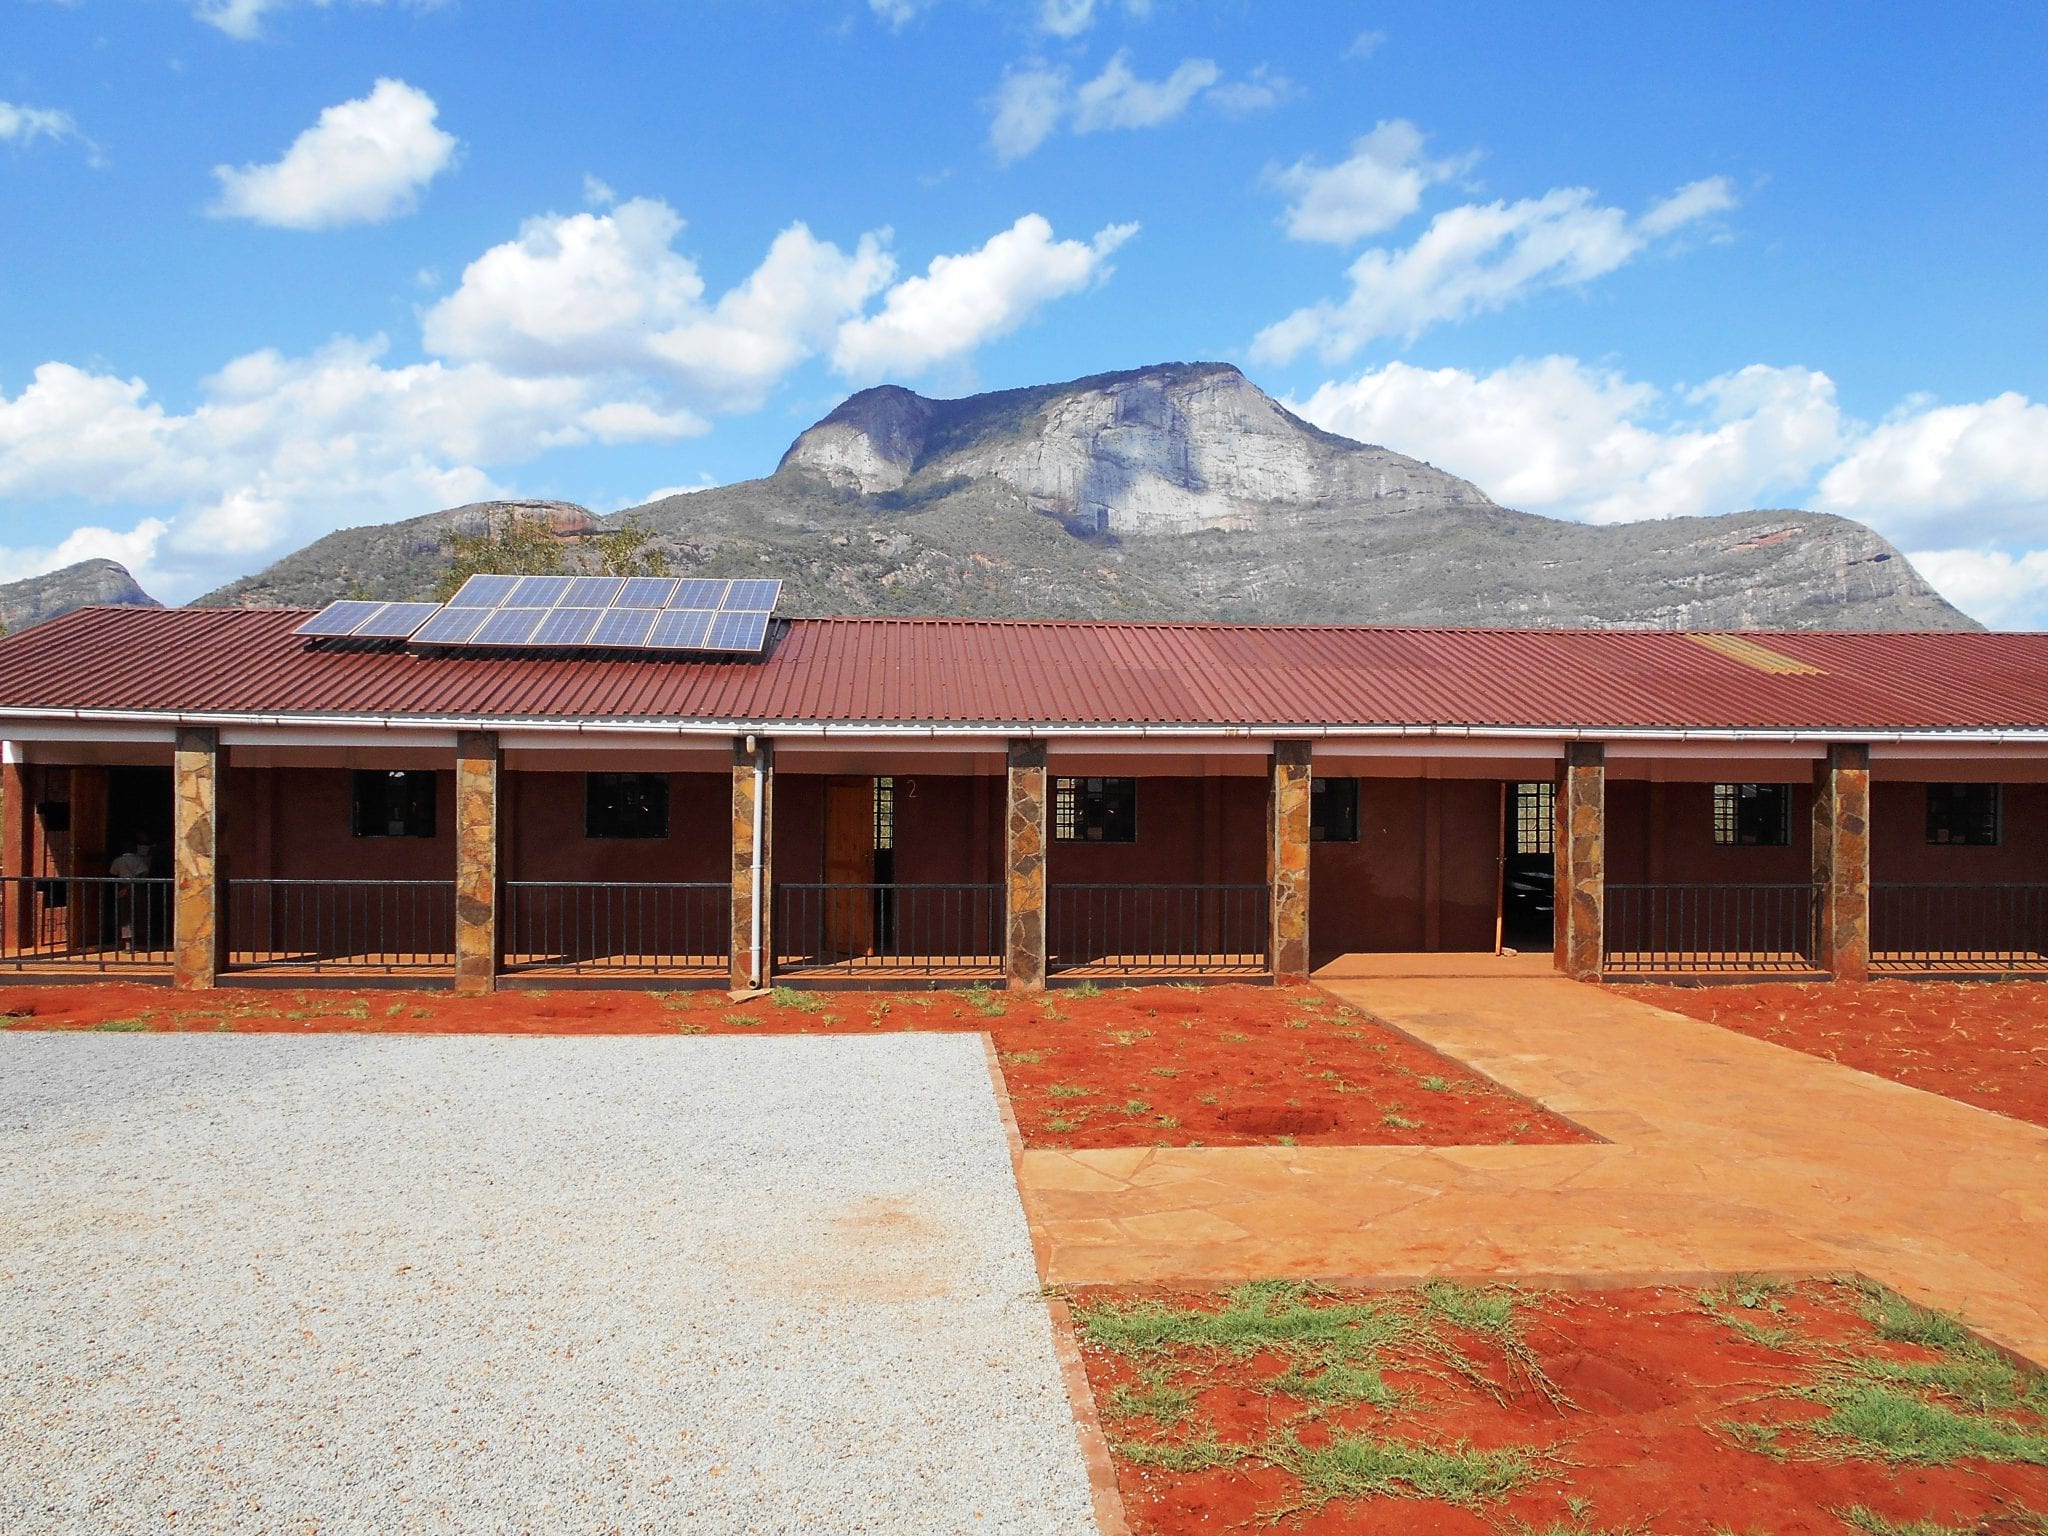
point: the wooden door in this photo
(849, 861)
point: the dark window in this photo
(55, 815)
(1753, 815)
(625, 805)
(1333, 811)
(1095, 810)
(1963, 813)
(1536, 817)
(398, 803)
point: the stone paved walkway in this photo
(1724, 1154)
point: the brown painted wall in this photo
(544, 832)
(1423, 875)
(1664, 834)
(293, 824)
(1899, 850)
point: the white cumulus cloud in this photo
(1931, 470)
(24, 125)
(607, 292)
(1376, 187)
(1473, 259)
(243, 19)
(1118, 98)
(1991, 585)
(1555, 436)
(364, 161)
(962, 301)
(1035, 100)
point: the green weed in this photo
(1193, 1455)
(1082, 991)
(802, 1002)
(1882, 1422)
(1489, 1311)
(1069, 1091)
(1393, 1119)
(1128, 1036)
(120, 1026)
(1157, 1400)
(2021, 1522)
(1337, 1382)
(1021, 1058)
(1166, 1071)
(1436, 1085)
(1761, 1438)
(1359, 1467)
(985, 1001)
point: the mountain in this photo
(23, 603)
(1176, 491)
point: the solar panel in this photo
(699, 594)
(646, 592)
(451, 626)
(624, 626)
(567, 626)
(538, 591)
(752, 594)
(738, 630)
(510, 626)
(337, 619)
(484, 592)
(680, 629)
(397, 621)
(593, 592)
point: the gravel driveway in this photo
(351, 1284)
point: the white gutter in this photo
(866, 731)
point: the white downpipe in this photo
(754, 947)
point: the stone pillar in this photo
(744, 972)
(476, 861)
(1026, 836)
(1581, 896)
(1291, 771)
(17, 853)
(197, 939)
(1841, 863)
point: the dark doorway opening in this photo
(1528, 897)
(139, 823)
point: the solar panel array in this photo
(637, 613)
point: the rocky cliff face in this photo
(1180, 448)
(1175, 492)
(90, 582)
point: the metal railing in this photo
(1956, 926)
(372, 925)
(1709, 927)
(101, 921)
(923, 929)
(591, 925)
(1136, 929)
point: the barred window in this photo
(1536, 817)
(885, 815)
(1967, 814)
(395, 803)
(1333, 811)
(1095, 810)
(625, 805)
(1753, 815)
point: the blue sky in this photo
(279, 266)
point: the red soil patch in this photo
(1635, 1438)
(1985, 1043)
(1140, 1066)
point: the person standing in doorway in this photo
(128, 868)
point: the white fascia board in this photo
(159, 725)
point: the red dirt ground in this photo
(1985, 1043)
(1640, 1447)
(1140, 1066)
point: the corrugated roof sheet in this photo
(965, 672)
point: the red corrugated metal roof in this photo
(963, 672)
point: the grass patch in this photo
(1261, 1315)
(1060, 1125)
(1394, 1120)
(1128, 1036)
(1082, 991)
(1069, 1091)
(1750, 1293)
(120, 1026)
(1882, 1422)
(1157, 1400)
(1360, 1467)
(985, 1001)
(1436, 1085)
(802, 1002)
(1338, 1383)
(1489, 1311)
(1197, 1454)
(1903, 1321)
(1760, 1438)
(1166, 1071)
